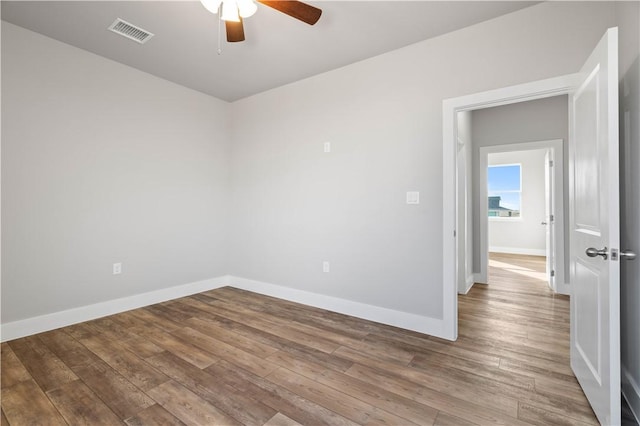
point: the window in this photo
(505, 190)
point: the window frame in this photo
(505, 218)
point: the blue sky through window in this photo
(504, 181)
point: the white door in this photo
(549, 217)
(595, 221)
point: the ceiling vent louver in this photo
(130, 31)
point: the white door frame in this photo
(558, 194)
(450, 107)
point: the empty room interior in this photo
(247, 212)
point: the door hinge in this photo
(550, 163)
(454, 233)
(553, 273)
(551, 218)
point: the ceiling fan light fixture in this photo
(246, 8)
(230, 11)
(211, 5)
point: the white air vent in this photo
(130, 31)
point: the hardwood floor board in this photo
(3, 419)
(149, 318)
(513, 319)
(537, 416)
(301, 315)
(560, 337)
(241, 342)
(118, 393)
(378, 397)
(552, 403)
(557, 405)
(281, 420)
(45, 368)
(290, 404)
(551, 386)
(140, 346)
(555, 310)
(221, 350)
(73, 353)
(307, 368)
(378, 347)
(294, 348)
(255, 320)
(25, 404)
(13, 372)
(334, 400)
(126, 363)
(452, 386)
(193, 307)
(189, 407)
(234, 403)
(427, 345)
(425, 362)
(537, 369)
(523, 354)
(80, 331)
(318, 316)
(162, 310)
(154, 415)
(287, 320)
(492, 326)
(444, 419)
(80, 405)
(110, 327)
(460, 407)
(177, 346)
(125, 319)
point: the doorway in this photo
(526, 215)
(452, 108)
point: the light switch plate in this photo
(327, 147)
(413, 197)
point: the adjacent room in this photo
(280, 213)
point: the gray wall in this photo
(294, 206)
(628, 17)
(532, 121)
(102, 163)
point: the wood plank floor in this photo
(232, 357)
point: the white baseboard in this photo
(40, 324)
(563, 288)
(421, 324)
(469, 282)
(29, 326)
(479, 278)
(631, 392)
(517, 250)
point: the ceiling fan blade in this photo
(235, 31)
(296, 9)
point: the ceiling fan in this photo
(233, 11)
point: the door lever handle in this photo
(544, 222)
(627, 254)
(594, 252)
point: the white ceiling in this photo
(278, 49)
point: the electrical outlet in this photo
(117, 268)
(325, 266)
(413, 197)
